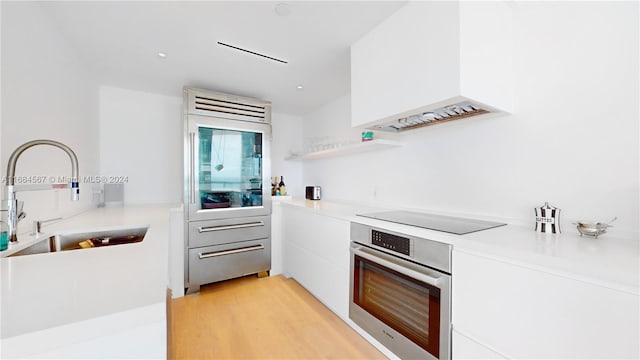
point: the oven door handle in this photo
(392, 264)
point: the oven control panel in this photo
(392, 242)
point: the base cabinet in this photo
(316, 254)
(526, 313)
(138, 333)
(276, 237)
(466, 348)
(500, 309)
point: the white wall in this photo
(47, 94)
(1, 40)
(141, 139)
(572, 140)
(286, 134)
(331, 122)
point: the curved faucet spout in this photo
(13, 215)
(13, 159)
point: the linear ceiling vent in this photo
(253, 52)
(439, 115)
(227, 106)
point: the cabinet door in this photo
(526, 313)
(316, 254)
(466, 348)
(276, 238)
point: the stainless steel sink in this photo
(85, 240)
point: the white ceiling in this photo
(119, 41)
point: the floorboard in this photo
(261, 318)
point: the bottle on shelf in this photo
(282, 187)
(274, 183)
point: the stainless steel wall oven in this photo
(400, 291)
(227, 206)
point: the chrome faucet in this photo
(15, 213)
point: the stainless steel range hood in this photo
(434, 114)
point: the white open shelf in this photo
(364, 146)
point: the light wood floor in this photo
(252, 318)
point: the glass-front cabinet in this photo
(226, 168)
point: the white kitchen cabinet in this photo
(466, 348)
(316, 254)
(176, 252)
(432, 54)
(139, 333)
(144, 342)
(276, 236)
(525, 313)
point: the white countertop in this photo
(607, 261)
(42, 291)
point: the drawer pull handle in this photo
(230, 252)
(229, 227)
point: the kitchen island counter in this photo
(44, 292)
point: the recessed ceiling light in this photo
(282, 9)
(162, 55)
(299, 87)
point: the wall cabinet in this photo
(432, 54)
(526, 313)
(316, 254)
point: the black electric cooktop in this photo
(448, 224)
